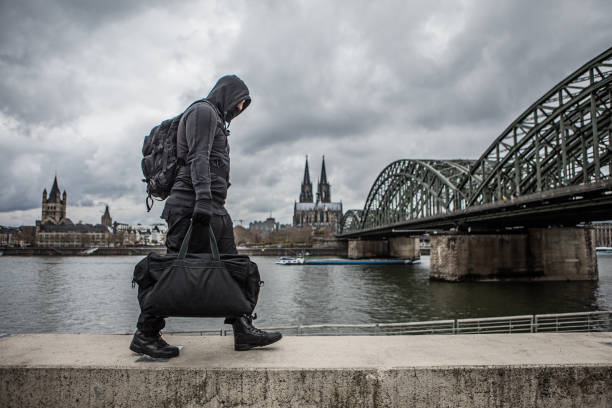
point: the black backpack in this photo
(160, 162)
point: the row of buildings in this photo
(56, 230)
(316, 212)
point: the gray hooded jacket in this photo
(203, 150)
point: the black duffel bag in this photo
(197, 285)
(246, 273)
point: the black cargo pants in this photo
(178, 224)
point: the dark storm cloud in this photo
(40, 46)
(397, 80)
(511, 53)
(363, 83)
(85, 203)
(498, 58)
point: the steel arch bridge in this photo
(560, 141)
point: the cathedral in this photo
(318, 212)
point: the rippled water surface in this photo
(94, 295)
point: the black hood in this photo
(227, 93)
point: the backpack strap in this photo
(149, 202)
(165, 158)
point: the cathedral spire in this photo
(306, 191)
(323, 172)
(106, 218)
(306, 173)
(323, 188)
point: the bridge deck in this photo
(590, 202)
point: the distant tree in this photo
(291, 236)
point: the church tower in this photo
(306, 193)
(323, 189)
(54, 206)
(106, 218)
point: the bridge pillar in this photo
(537, 254)
(405, 247)
(367, 249)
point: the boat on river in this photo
(286, 260)
(362, 262)
(290, 260)
(604, 250)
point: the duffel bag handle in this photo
(187, 239)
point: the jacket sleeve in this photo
(200, 126)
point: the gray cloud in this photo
(363, 83)
(41, 59)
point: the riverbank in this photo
(265, 251)
(82, 251)
(275, 251)
(517, 370)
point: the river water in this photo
(94, 295)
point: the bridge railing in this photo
(597, 321)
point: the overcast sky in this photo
(361, 82)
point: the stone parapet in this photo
(516, 370)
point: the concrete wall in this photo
(537, 254)
(358, 249)
(563, 253)
(457, 257)
(554, 387)
(489, 370)
(405, 247)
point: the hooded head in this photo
(227, 93)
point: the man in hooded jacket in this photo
(198, 195)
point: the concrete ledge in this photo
(518, 370)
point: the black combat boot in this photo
(247, 336)
(153, 346)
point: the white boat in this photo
(89, 251)
(289, 260)
(604, 250)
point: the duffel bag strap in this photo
(187, 239)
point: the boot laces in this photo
(161, 341)
(253, 328)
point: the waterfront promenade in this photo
(515, 370)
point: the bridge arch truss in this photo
(408, 189)
(561, 140)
